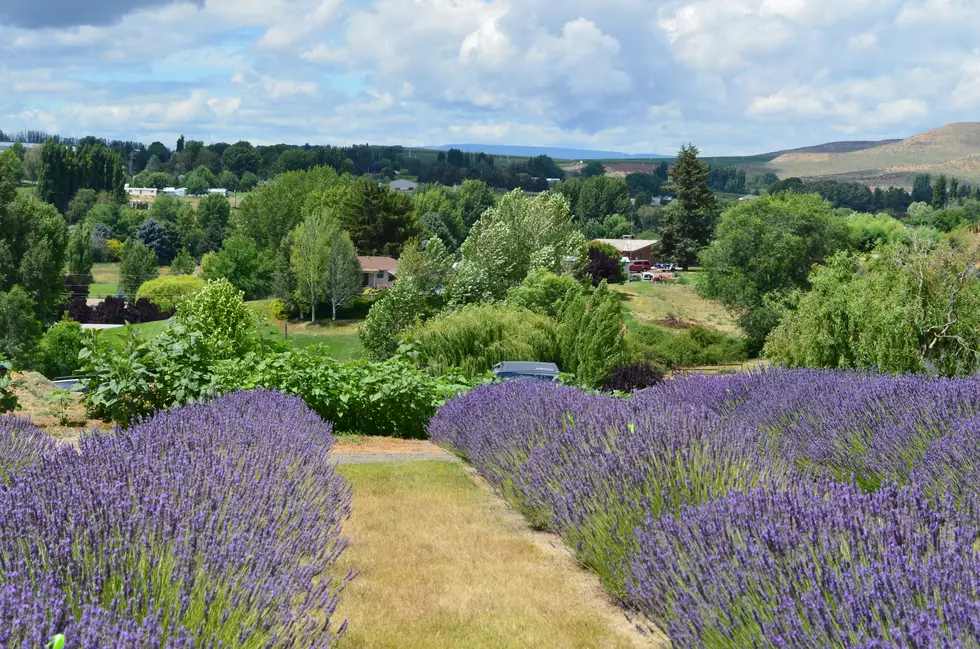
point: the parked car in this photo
(528, 371)
(640, 265)
(648, 276)
(667, 267)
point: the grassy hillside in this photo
(953, 149)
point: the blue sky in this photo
(732, 76)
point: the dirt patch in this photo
(62, 417)
(673, 322)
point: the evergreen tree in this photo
(688, 222)
(954, 192)
(939, 196)
(922, 189)
(183, 263)
(137, 265)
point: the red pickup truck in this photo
(640, 265)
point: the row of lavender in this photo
(779, 509)
(213, 525)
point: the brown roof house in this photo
(633, 248)
(378, 271)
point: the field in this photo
(774, 509)
(105, 280)
(653, 303)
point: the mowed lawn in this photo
(340, 336)
(105, 280)
(443, 563)
(650, 302)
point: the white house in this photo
(219, 192)
(378, 271)
(173, 191)
(141, 192)
(403, 185)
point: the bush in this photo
(113, 250)
(167, 292)
(542, 292)
(138, 264)
(218, 311)
(590, 335)
(399, 308)
(603, 264)
(57, 353)
(633, 377)
(687, 347)
(19, 328)
(115, 310)
(278, 310)
(8, 398)
(480, 336)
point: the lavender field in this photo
(777, 509)
(213, 525)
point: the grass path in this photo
(444, 563)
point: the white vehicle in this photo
(648, 276)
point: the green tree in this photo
(138, 264)
(56, 181)
(183, 263)
(954, 192)
(196, 185)
(688, 222)
(400, 307)
(763, 250)
(910, 307)
(81, 204)
(167, 292)
(590, 334)
(33, 161)
(600, 197)
(241, 263)
(241, 158)
(939, 195)
(249, 181)
(435, 211)
(592, 169)
(344, 278)
(228, 180)
(517, 236)
(57, 352)
(310, 259)
(13, 163)
(473, 198)
(19, 327)
(543, 291)
(228, 327)
(213, 212)
(378, 219)
(80, 257)
(922, 189)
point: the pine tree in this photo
(687, 225)
(954, 192)
(939, 196)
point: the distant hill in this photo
(834, 147)
(953, 150)
(554, 152)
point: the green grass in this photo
(106, 280)
(149, 330)
(25, 190)
(650, 303)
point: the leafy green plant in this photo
(57, 352)
(690, 347)
(8, 400)
(63, 399)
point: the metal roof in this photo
(628, 245)
(522, 367)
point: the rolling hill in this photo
(554, 152)
(953, 150)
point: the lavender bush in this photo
(21, 444)
(778, 509)
(209, 525)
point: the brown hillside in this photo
(951, 149)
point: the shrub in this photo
(138, 264)
(590, 335)
(278, 310)
(113, 250)
(218, 311)
(19, 328)
(167, 292)
(542, 292)
(211, 525)
(633, 377)
(399, 308)
(183, 263)
(603, 264)
(690, 347)
(57, 352)
(8, 398)
(480, 336)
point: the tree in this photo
(241, 157)
(939, 195)
(168, 291)
(81, 204)
(137, 265)
(161, 239)
(763, 250)
(400, 307)
(519, 235)
(218, 311)
(344, 278)
(241, 263)
(922, 189)
(590, 334)
(688, 221)
(228, 180)
(543, 291)
(310, 259)
(213, 212)
(56, 182)
(12, 162)
(910, 307)
(33, 161)
(80, 258)
(473, 198)
(600, 197)
(954, 192)
(33, 244)
(183, 263)
(57, 352)
(592, 169)
(603, 264)
(196, 185)
(378, 219)
(249, 181)
(19, 327)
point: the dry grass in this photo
(443, 564)
(36, 396)
(951, 149)
(650, 303)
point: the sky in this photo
(734, 77)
